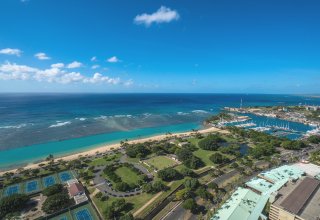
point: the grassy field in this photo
(204, 156)
(104, 160)
(127, 175)
(138, 201)
(161, 162)
(135, 202)
(165, 194)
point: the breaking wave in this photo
(13, 126)
(199, 111)
(81, 119)
(182, 113)
(60, 124)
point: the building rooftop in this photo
(259, 185)
(240, 205)
(309, 168)
(285, 172)
(264, 187)
(248, 203)
(75, 189)
(301, 198)
(297, 199)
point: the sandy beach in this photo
(109, 147)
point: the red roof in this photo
(76, 189)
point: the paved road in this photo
(301, 154)
(179, 213)
(224, 177)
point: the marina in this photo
(274, 126)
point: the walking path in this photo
(149, 202)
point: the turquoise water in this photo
(28, 154)
(32, 126)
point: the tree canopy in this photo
(169, 174)
(190, 204)
(54, 189)
(314, 139)
(211, 142)
(56, 203)
(188, 159)
(218, 158)
(13, 203)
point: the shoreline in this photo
(110, 147)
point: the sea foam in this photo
(182, 113)
(60, 124)
(200, 111)
(13, 126)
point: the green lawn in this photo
(135, 202)
(204, 156)
(194, 141)
(138, 201)
(104, 160)
(161, 162)
(127, 175)
(158, 200)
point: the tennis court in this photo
(10, 190)
(64, 216)
(48, 181)
(65, 176)
(32, 186)
(83, 214)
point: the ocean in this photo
(32, 126)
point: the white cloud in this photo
(163, 15)
(10, 51)
(42, 56)
(12, 71)
(98, 78)
(57, 65)
(128, 82)
(113, 59)
(93, 59)
(95, 67)
(74, 64)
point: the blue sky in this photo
(267, 46)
